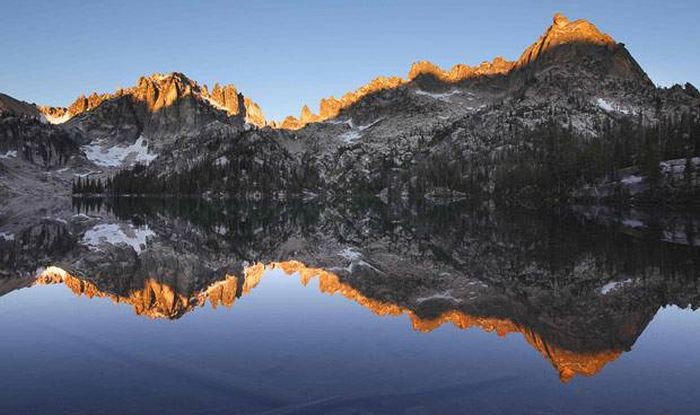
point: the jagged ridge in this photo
(158, 89)
(561, 32)
(158, 300)
(162, 90)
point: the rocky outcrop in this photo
(159, 91)
(460, 72)
(564, 42)
(9, 105)
(227, 97)
(330, 107)
(562, 32)
(24, 137)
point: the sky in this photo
(284, 54)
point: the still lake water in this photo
(173, 307)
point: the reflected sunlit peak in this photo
(157, 299)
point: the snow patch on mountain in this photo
(613, 286)
(610, 107)
(633, 223)
(356, 132)
(215, 104)
(9, 154)
(221, 161)
(680, 237)
(7, 236)
(350, 136)
(56, 120)
(350, 253)
(114, 234)
(117, 156)
(447, 295)
(677, 166)
(631, 179)
(443, 97)
(338, 122)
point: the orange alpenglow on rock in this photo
(460, 72)
(226, 97)
(567, 363)
(561, 31)
(159, 300)
(162, 90)
(154, 300)
(159, 90)
(330, 107)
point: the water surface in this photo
(178, 306)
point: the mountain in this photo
(14, 106)
(159, 91)
(574, 117)
(560, 51)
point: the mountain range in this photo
(574, 117)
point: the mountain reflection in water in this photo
(580, 287)
(158, 300)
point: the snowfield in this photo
(350, 136)
(609, 107)
(350, 254)
(677, 166)
(613, 286)
(114, 234)
(356, 132)
(633, 179)
(633, 223)
(221, 161)
(443, 97)
(9, 154)
(56, 120)
(117, 156)
(7, 236)
(447, 295)
(215, 104)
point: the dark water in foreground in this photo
(188, 307)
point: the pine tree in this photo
(651, 160)
(689, 172)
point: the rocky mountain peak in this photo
(307, 115)
(15, 106)
(578, 48)
(581, 38)
(330, 107)
(460, 72)
(159, 91)
(163, 90)
(560, 20)
(561, 32)
(226, 97)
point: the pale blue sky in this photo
(285, 54)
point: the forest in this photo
(544, 165)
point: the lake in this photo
(191, 306)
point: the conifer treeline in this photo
(88, 185)
(552, 160)
(248, 170)
(545, 163)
